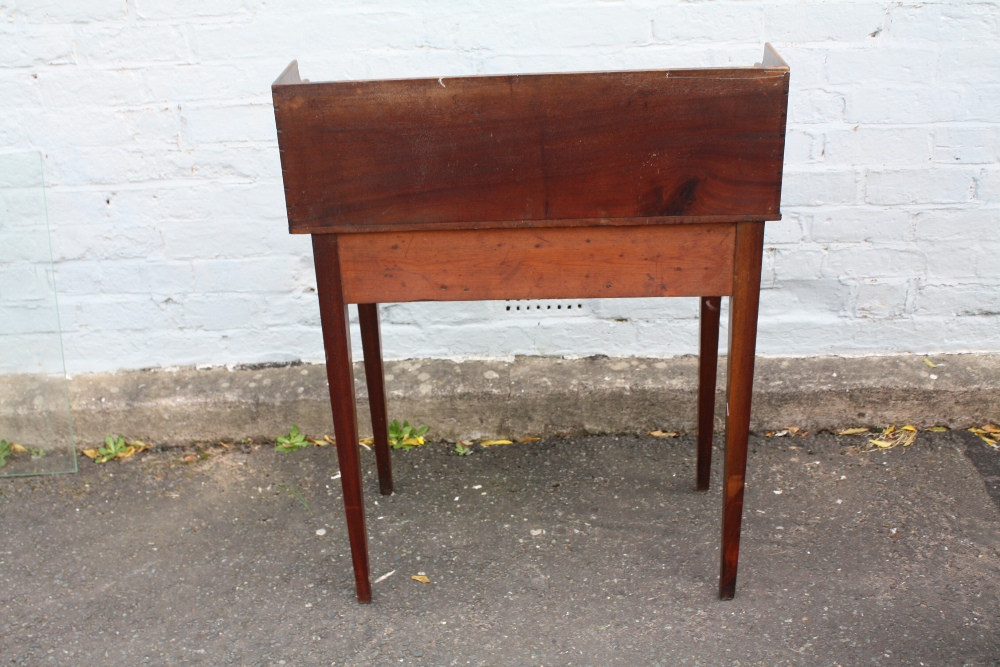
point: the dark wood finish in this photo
(652, 183)
(708, 360)
(340, 375)
(742, 344)
(498, 151)
(371, 345)
(572, 262)
(541, 224)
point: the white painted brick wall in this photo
(164, 194)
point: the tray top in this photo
(542, 150)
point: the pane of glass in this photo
(36, 433)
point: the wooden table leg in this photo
(371, 344)
(742, 343)
(340, 374)
(708, 359)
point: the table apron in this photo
(550, 263)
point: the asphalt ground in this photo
(583, 551)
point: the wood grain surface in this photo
(570, 262)
(586, 149)
(340, 375)
(371, 346)
(743, 307)
(708, 367)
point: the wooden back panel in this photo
(640, 147)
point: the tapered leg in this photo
(340, 374)
(708, 359)
(742, 343)
(371, 343)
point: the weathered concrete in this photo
(534, 396)
(590, 552)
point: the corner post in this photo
(371, 345)
(708, 362)
(340, 375)
(743, 307)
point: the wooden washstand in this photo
(591, 185)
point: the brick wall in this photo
(164, 195)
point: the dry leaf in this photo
(794, 430)
(329, 440)
(930, 363)
(421, 578)
(366, 441)
(318, 443)
(891, 437)
(490, 443)
(854, 431)
(987, 430)
(938, 429)
(465, 443)
(987, 434)
(531, 439)
(127, 453)
(18, 449)
(90, 453)
(664, 434)
(191, 458)
(413, 442)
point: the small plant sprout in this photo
(405, 436)
(115, 448)
(112, 448)
(9, 449)
(295, 493)
(292, 442)
(461, 449)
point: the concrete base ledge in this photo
(527, 396)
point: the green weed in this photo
(405, 436)
(292, 491)
(112, 449)
(293, 442)
(115, 448)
